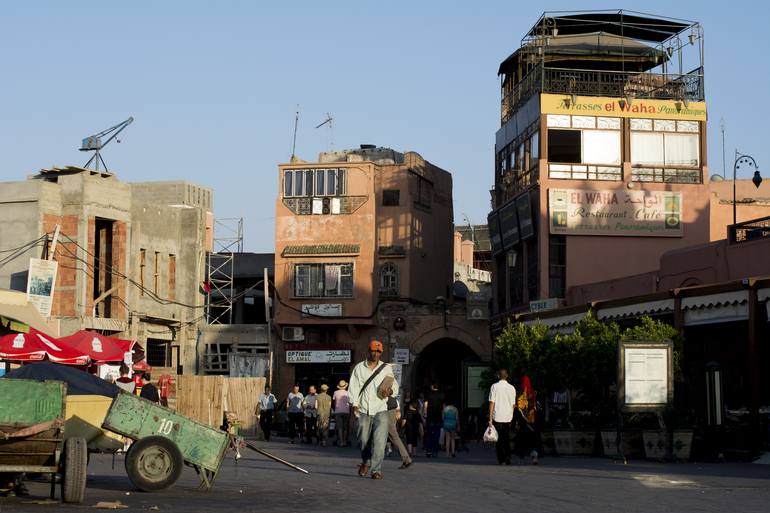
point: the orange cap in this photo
(375, 345)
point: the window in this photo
(313, 182)
(423, 191)
(389, 280)
(660, 144)
(156, 273)
(390, 197)
(557, 265)
(584, 147)
(323, 280)
(534, 149)
(158, 353)
(142, 265)
(172, 277)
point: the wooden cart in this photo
(32, 435)
(164, 441)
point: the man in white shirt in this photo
(265, 410)
(371, 409)
(502, 401)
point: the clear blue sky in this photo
(213, 87)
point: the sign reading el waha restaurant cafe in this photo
(621, 108)
(615, 212)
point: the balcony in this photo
(617, 84)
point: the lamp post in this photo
(745, 161)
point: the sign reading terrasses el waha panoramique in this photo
(615, 212)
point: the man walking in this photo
(295, 413)
(502, 401)
(371, 383)
(433, 410)
(394, 414)
(324, 409)
(341, 406)
(265, 410)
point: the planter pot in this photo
(574, 443)
(682, 443)
(549, 445)
(633, 445)
(656, 446)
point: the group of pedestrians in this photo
(309, 416)
(368, 406)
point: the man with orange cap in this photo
(371, 383)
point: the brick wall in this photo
(65, 293)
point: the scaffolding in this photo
(228, 240)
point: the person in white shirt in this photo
(502, 401)
(371, 408)
(265, 410)
(296, 414)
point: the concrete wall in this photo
(171, 218)
(752, 203)
(703, 264)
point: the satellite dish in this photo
(459, 290)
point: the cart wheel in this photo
(154, 463)
(73, 482)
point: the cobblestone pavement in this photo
(472, 482)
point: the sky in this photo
(214, 87)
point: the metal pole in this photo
(266, 288)
(724, 162)
(735, 172)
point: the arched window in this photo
(389, 280)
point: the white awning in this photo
(715, 308)
(636, 309)
(561, 324)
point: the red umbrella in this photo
(100, 348)
(36, 346)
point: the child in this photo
(413, 427)
(451, 427)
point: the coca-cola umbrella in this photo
(36, 345)
(100, 348)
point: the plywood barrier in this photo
(206, 398)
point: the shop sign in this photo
(645, 375)
(330, 356)
(622, 107)
(615, 212)
(545, 304)
(401, 356)
(322, 310)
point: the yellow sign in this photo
(621, 108)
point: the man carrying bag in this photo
(371, 383)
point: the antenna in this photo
(329, 121)
(294, 141)
(94, 143)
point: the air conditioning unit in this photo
(293, 334)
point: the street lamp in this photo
(749, 162)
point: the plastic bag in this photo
(490, 435)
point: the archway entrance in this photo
(443, 361)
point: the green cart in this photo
(32, 435)
(164, 441)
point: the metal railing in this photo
(618, 84)
(749, 230)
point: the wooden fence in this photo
(206, 398)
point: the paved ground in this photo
(469, 483)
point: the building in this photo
(601, 154)
(237, 342)
(130, 256)
(752, 204)
(363, 251)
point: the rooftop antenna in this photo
(294, 141)
(329, 120)
(94, 143)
